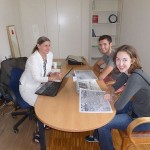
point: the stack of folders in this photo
(86, 79)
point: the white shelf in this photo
(95, 58)
(105, 23)
(97, 37)
(105, 5)
(102, 9)
(112, 11)
(96, 46)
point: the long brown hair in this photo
(40, 40)
(131, 51)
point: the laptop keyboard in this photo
(51, 88)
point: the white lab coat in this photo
(32, 76)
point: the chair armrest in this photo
(4, 88)
(134, 124)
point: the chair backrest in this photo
(130, 138)
(6, 67)
(8, 64)
(14, 85)
(11, 71)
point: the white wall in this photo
(135, 28)
(71, 38)
(9, 15)
(29, 17)
(32, 13)
(85, 28)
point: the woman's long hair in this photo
(40, 40)
(131, 51)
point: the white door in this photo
(70, 32)
(64, 24)
(52, 25)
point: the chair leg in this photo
(18, 113)
(124, 144)
(15, 127)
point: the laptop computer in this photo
(51, 88)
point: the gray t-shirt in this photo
(109, 59)
(136, 88)
(109, 62)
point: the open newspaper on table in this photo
(91, 85)
(91, 101)
(86, 79)
(85, 75)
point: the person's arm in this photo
(97, 65)
(35, 66)
(122, 79)
(109, 66)
(105, 72)
(133, 85)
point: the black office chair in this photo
(11, 87)
(11, 71)
(6, 67)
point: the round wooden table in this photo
(62, 111)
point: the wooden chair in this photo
(130, 138)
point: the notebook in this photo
(51, 88)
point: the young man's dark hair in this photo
(103, 37)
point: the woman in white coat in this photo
(37, 68)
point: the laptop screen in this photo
(67, 74)
(51, 88)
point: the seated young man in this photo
(105, 47)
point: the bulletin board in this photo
(13, 40)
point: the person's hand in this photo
(101, 70)
(56, 76)
(109, 93)
(108, 97)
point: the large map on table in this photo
(92, 101)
